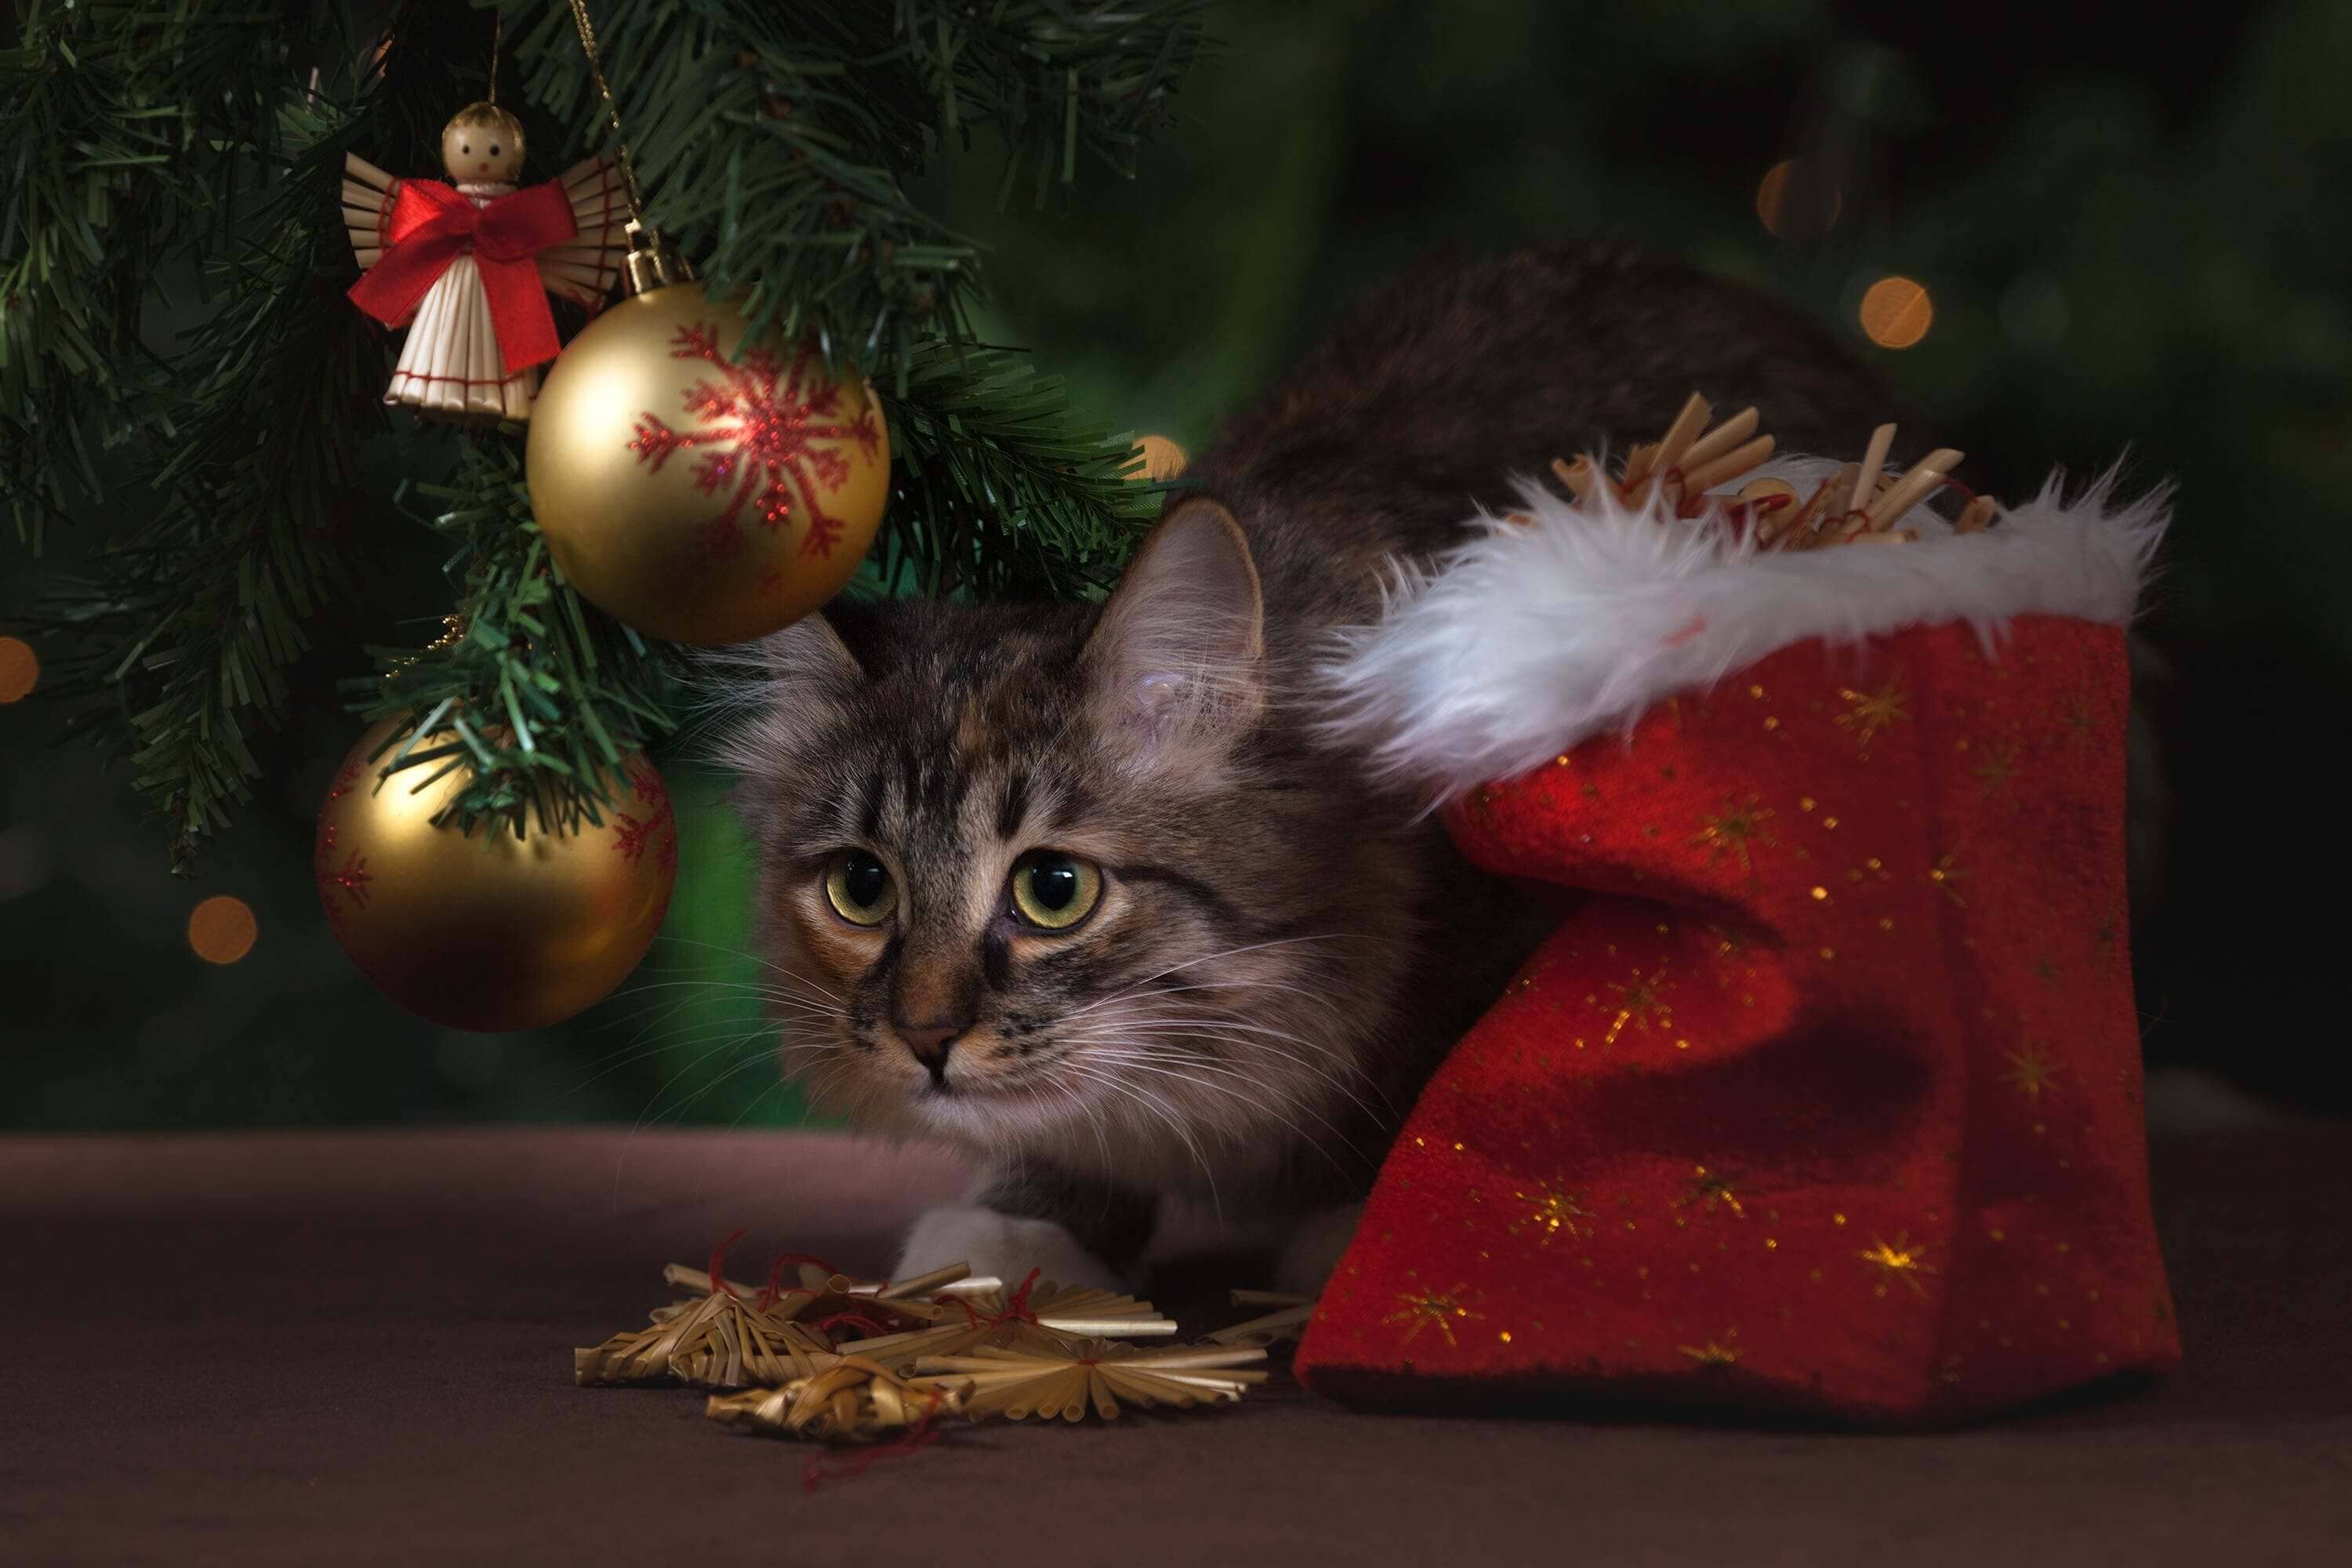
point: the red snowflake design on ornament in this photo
(353, 876)
(633, 835)
(758, 418)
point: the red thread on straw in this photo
(718, 1286)
(1016, 1306)
(1967, 495)
(822, 1467)
(1742, 514)
(870, 1325)
(776, 1290)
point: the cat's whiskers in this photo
(647, 1044)
(1240, 984)
(776, 1004)
(754, 1103)
(749, 1011)
(706, 1045)
(695, 1032)
(1130, 989)
(796, 977)
(1306, 1100)
(679, 1109)
(763, 988)
(1140, 1041)
(719, 1038)
(1232, 1025)
(1106, 1035)
(1163, 1040)
(1159, 1049)
(1095, 1120)
(1249, 1036)
(1139, 1062)
(621, 1158)
(1167, 1115)
(1339, 1068)
(658, 1048)
(821, 1086)
(666, 1006)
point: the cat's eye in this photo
(1055, 890)
(860, 889)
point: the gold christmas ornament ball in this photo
(484, 930)
(694, 493)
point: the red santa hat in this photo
(1826, 1097)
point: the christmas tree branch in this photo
(148, 138)
(540, 695)
(133, 125)
(176, 641)
(69, 285)
(195, 614)
(1002, 491)
(776, 146)
(773, 146)
(773, 143)
(1058, 82)
(537, 692)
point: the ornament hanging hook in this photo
(651, 263)
(587, 30)
(497, 41)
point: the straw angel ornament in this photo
(466, 266)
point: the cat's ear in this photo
(1180, 650)
(777, 694)
(809, 652)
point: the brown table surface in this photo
(355, 1347)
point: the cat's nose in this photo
(929, 1043)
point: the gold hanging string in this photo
(498, 38)
(612, 109)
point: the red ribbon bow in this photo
(432, 224)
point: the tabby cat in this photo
(1080, 889)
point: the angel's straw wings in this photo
(582, 270)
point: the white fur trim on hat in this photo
(1530, 636)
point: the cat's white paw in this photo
(1312, 1249)
(1002, 1245)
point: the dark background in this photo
(2135, 239)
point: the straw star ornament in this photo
(1018, 1383)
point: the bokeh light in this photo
(1791, 207)
(1162, 459)
(20, 669)
(221, 929)
(1896, 313)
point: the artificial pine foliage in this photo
(154, 150)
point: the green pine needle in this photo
(146, 144)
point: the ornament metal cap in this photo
(652, 262)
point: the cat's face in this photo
(1029, 879)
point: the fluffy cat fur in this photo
(1285, 947)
